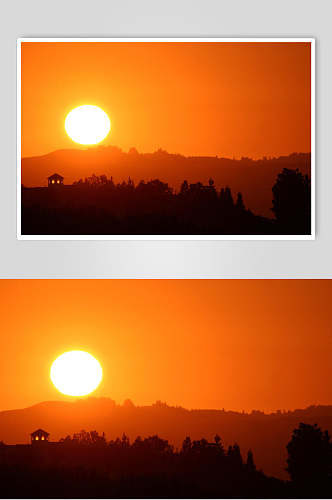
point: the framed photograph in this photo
(166, 138)
(111, 391)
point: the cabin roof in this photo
(38, 432)
(55, 177)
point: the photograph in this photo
(166, 138)
(165, 388)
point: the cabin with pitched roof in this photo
(55, 180)
(39, 436)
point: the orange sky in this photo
(237, 344)
(226, 99)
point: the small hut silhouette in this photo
(39, 436)
(55, 180)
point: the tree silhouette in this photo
(184, 187)
(234, 454)
(309, 455)
(217, 440)
(186, 445)
(92, 438)
(237, 454)
(250, 461)
(128, 403)
(227, 198)
(125, 443)
(239, 202)
(291, 200)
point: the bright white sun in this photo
(87, 124)
(76, 373)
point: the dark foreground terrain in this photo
(97, 206)
(85, 465)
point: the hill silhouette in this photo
(253, 178)
(266, 434)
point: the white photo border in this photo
(311, 236)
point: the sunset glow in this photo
(250, 99)
(87, 124)
(144, 331)
(203, 113)
(76, 373)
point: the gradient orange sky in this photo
(237, 344)
(226, 99)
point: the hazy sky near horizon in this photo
(226, 99)
(233, 344)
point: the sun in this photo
(76, 373)
(87, 124)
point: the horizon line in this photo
(263, 157)
(160, 404)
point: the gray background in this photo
(173, 259)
